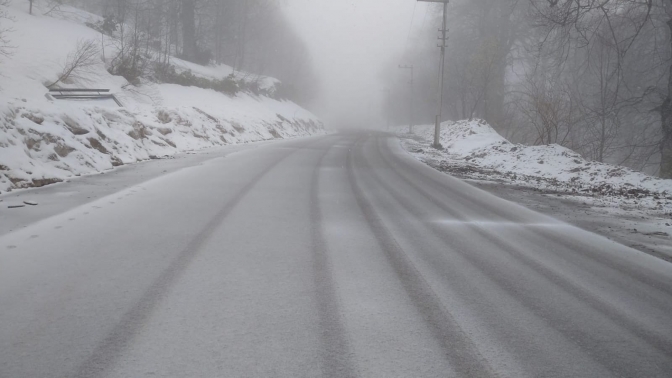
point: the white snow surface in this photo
(474, 149)
(44, 140)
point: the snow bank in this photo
(44, 140)
(475, 149)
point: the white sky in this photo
(350, 41)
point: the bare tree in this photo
(189, 29)
(550, 106)
(594, 40)
(250, 35)
(590, 75)
(5, 46)
(79, 62)
(665, 109)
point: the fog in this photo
(350, 42)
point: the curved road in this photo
(334, 256)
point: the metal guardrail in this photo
(83, 94)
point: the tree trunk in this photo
(666, 142)
(666, 124)
(189, 29)
(241, 47)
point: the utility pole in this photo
(410, 124)
(443, 38)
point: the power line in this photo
(424, 19)
(410, 29)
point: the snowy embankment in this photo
(473, 149)
(43, 140)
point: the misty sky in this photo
(350, 40)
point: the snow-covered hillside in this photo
(43, 140)
(474, 149)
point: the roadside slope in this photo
(43, 141)
(473, 149)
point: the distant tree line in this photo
(590, 75)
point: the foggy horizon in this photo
(350, 43)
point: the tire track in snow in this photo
(455, 343)
(587, 252)
(541, 236)
(556, 319)
(111, 348)
(335, 348)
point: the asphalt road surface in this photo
(334, 256)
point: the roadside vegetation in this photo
(592, 76)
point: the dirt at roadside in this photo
(640, 228)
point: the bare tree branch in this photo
(79, 62)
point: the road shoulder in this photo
(21, 208)
(644, 224)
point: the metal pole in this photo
(410, 131)
(442, 69)
(444, 30)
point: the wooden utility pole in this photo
(411, 118)
(442, 68)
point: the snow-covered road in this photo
(336, 256)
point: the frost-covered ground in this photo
(474, 149)
(43, 141)
(630, 207)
